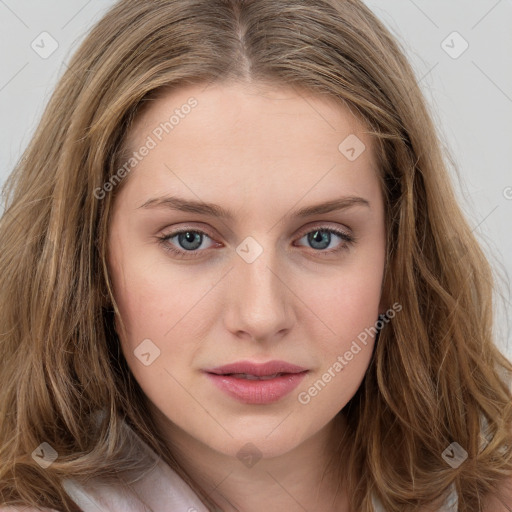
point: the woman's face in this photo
(255, 178)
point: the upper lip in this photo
(257, 369)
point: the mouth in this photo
(248, 376)
(253, 383)
(269, 369)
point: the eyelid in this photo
(347, 238)
(325, 226)
(319, 225)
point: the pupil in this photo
(318, 237)
(188, 238)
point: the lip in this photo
(257, 391)
(257, 369)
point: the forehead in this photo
(239, 108)
(221, 137)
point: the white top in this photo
(163, 491)
(160, 489)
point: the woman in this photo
(176, 335)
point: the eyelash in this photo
(163, 240)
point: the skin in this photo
(262, 152)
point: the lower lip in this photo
(257, 391)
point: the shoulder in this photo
(500, 501)
(22, 508)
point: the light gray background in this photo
(470, 94)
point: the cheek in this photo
(346, 307)
(151, 298)
(345, 302)
(350, 312)
(154, 313)
(170, 309)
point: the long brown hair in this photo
(436, 373)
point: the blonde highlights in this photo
(436, 372)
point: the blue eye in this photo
(319, 237)
(190, 241)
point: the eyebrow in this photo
(214, 210)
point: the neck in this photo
(302, 479)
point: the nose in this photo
(260, 303)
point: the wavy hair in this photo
(61, 359)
